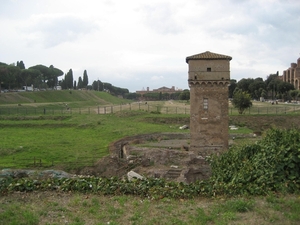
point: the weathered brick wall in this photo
(209, 126)
(219, 70)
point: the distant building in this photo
(28, 88)
(162, 90)
(292, 74)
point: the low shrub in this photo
(271, 164)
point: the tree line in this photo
(273, 88)
(16, 76)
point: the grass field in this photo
(73, 98)
(70, 141)
(81, 209)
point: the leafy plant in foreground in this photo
(272, 164)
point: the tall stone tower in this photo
(209, 77)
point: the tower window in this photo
(205, 103)
(208, 69)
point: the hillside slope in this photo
(83, 98)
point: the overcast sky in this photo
(137, 44)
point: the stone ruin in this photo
(159, 155)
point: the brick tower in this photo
(209, 77)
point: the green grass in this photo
(65, 140)
(58, 99)
(241, 130)
(75, 208)
(16, 214)
(71, 141)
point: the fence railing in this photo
(93, 110)
(185, 109)
(275, 110)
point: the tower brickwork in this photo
(208, 79)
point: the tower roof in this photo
(208, 56)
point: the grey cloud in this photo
(53, 31)
(15, 9)
(270, 24)
(161, 18)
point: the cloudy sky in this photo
(137, 44)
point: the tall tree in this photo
(294, 94)
(21, 65)
(241, 100)
(49, 74)
(284, 87)
(80, 83)
(69, 79)
(11, 77)
(3, 75)
(63, 83)
(185, 95)
(256, 87)
(244, 84)
(54, 73)
(97, 85)
(44, 71)
(272, 82)
(85, 80)
(29, 77)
